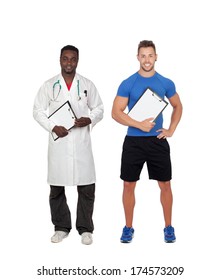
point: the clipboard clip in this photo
(156, 96)
(71, 113)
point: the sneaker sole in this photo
(170, 241)
(122, 241)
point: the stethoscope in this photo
(58, 85)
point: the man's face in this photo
(69, 61)
(147, 58)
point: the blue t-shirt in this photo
(134, 86)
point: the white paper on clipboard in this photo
(149, 105)
(63, 116)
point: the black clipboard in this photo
(149, 105)
(63, 116)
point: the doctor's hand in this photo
(82, 122)
(147, 125)
(60, 131)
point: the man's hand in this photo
(82, 122)
(147, 125)
(164, 133)
(60, 131)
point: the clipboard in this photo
(149, 105)
(63, 116)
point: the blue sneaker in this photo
(169, 235)
(127, 235)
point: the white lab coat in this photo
(70, 159)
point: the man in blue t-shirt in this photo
(146, 140)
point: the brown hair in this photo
(146, 44)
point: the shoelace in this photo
(127, 231)
(169, 230)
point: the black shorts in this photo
(155, 152)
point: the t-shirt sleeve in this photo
(123, 90)
(171, 89)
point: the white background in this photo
(187, 37)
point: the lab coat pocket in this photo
(83, 107)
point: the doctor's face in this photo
(68, 62)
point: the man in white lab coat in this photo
(70, 158)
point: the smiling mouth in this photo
(68, 68)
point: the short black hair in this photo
(70, 48)
(146, 44)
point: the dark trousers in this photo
(60, 213)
